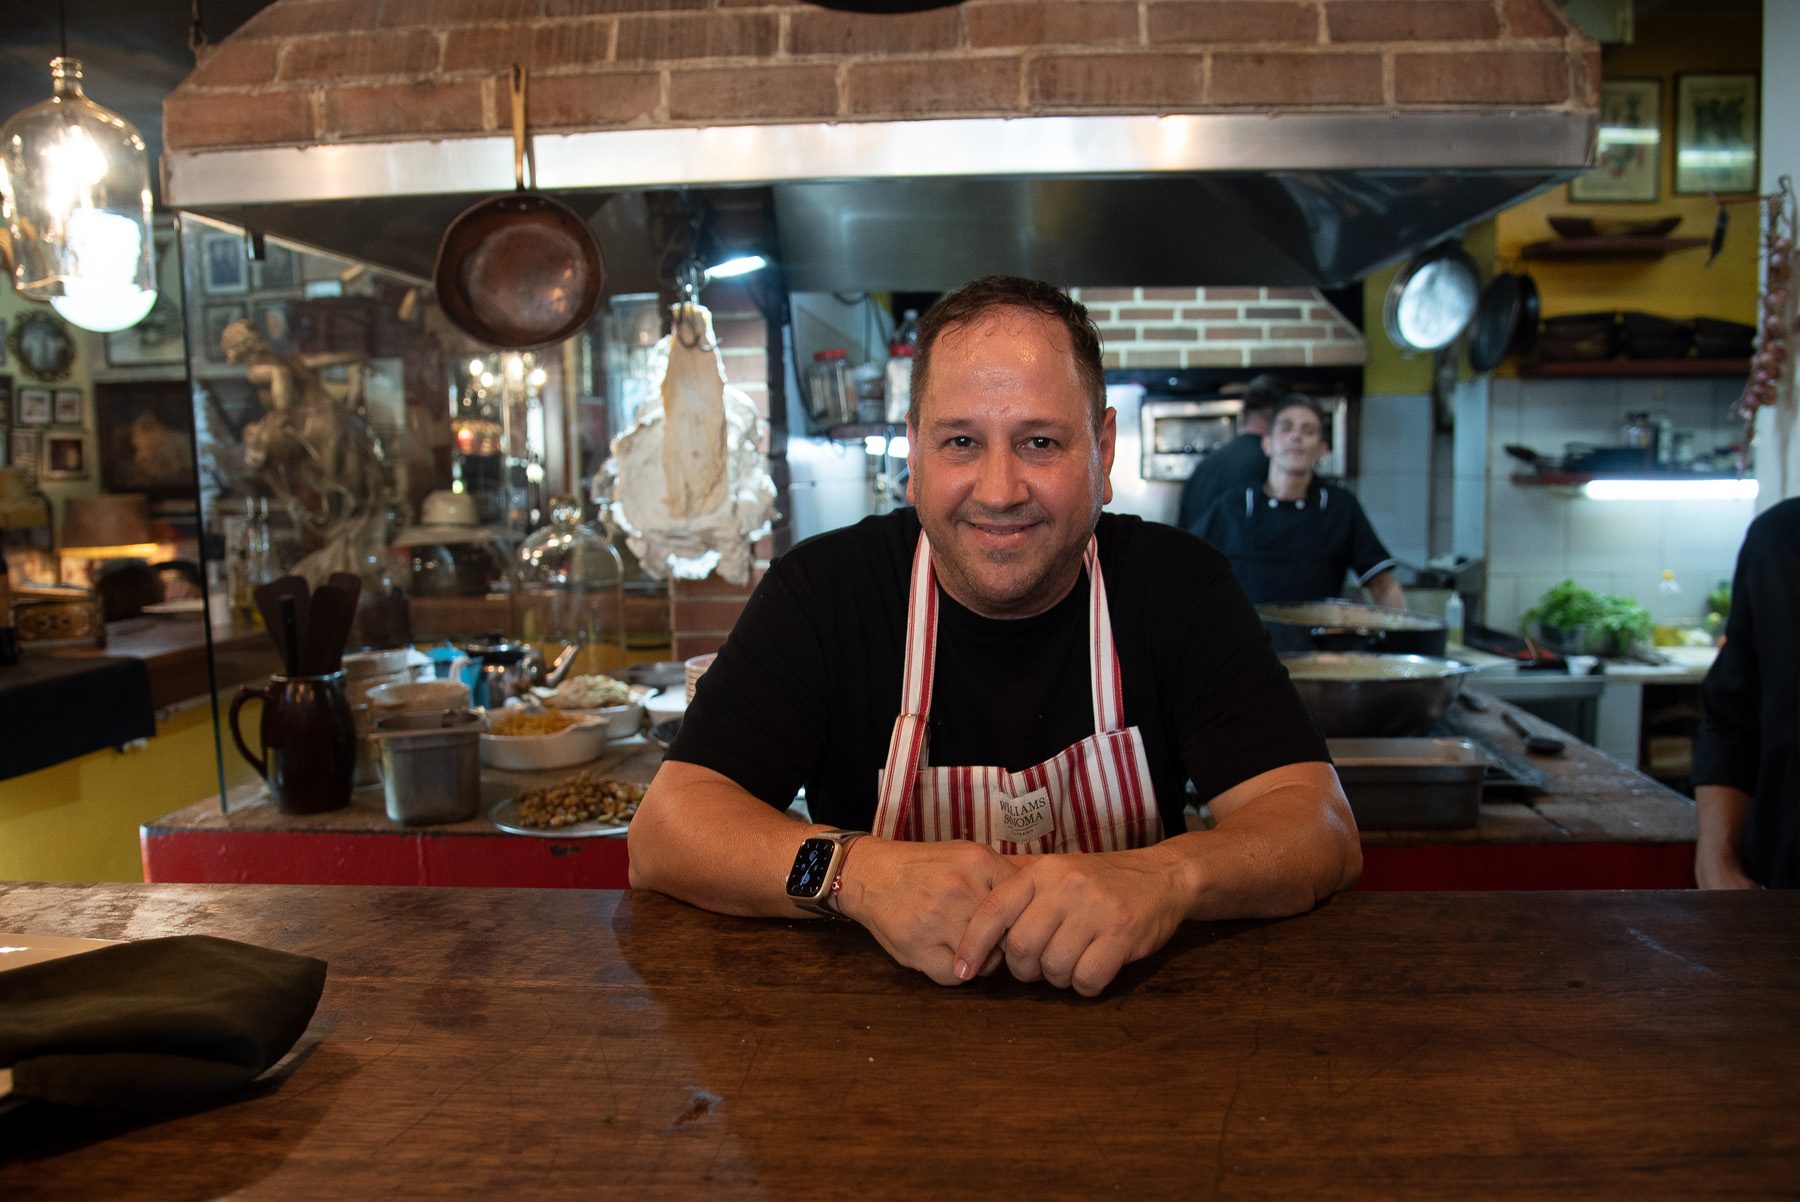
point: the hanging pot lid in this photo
(1432, 299)
(1505, 321)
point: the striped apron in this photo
(1096, 795)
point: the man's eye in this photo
(961, 442)
(1041, 443)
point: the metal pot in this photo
(1360, 694)
(519, 271)
(1339, 625)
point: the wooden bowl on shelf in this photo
(1569, 226)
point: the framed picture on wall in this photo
(1630, 144)
(69, 410)
(26, 445)
(34, 407)
(214, 320)
(224, 269)
(65, 457)
(1716, 134)
(145, 440)
(280, 268)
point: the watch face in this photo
(807, 879)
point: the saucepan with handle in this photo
(522, 270)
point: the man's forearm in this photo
(700, 837)
(1283, 853)
(1386, 592)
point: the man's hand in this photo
(916, 898)
(1075, 920)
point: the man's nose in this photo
(1000, 483)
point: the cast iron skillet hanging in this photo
(519, 271)
(1506, 320)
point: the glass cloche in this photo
(572, 590)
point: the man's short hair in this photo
(1264, 393)
(1296, 400)
(991, 292)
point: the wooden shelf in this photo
(1608, 248)
(1639, 367)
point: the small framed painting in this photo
(280, 268)
(68, 407)
(26, 446)
(1716, 132)
(34, 407)
(65, 457)
(215, 319)
(224, 268)
(1630, 144)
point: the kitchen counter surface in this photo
(1600, 825)
(553, 1044)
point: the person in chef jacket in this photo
(1239, 463)
(1292, 537)
(1008, 691)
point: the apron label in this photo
(1027, 818)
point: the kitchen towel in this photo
(158, 1022)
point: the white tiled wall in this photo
(1393, 479)
(1536, 536)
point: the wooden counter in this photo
(550, 1044)
(173, 648)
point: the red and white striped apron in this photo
(1096, 795)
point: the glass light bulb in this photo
(76, 180)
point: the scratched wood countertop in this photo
(555, 1044)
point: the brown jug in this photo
(308, 741)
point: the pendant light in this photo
(75, 188)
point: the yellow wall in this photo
(78, 821)
(1724, 36)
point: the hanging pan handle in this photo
(522, 150)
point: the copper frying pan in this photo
(519, 271)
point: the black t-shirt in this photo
(1227, 471)
(1750, 732)
(807, 688)
(1285, 551)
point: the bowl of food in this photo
(620, 704)
(528, 740)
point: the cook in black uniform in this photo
(1293, 538)
(1240, 463)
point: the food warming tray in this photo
(1411, 784)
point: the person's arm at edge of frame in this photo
(1718, 862)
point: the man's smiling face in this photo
(1008, 470)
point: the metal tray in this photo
(1411, 784)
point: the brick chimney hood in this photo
(1095, 142)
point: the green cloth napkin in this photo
(154, 1022)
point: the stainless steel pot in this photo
(1339, 625)
(1361, 694)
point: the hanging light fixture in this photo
(75, 188)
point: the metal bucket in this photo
(1359, 694)
(431, 766)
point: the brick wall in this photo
(311, 71)
(1222, 327)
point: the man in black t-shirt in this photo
(1293, 538)
(991, 683)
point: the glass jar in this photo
(572, 590)
(832, 398)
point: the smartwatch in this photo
(813, 881)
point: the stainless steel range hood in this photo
(1290, 199)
